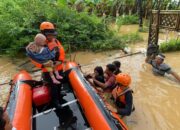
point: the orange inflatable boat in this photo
(30, 107)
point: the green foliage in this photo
(117, 42)
(127, 19)
(130, 38)
(172, 45)
(144, 29)
(20, 22)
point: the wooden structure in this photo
(163, 19)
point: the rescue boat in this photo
(30, 106)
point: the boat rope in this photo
(53, 109)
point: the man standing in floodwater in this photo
(160, 68)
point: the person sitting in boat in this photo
(118, 65)
(5, 123)
(48, 29)
(109, 79)
(98, 74)
(122, 96)
(160, 68)
(39, 52)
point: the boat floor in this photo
(71, 117)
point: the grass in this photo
(127, 20)
(172, 45)
(131, 38)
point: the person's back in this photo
(99, 75)
(100, 78)
(125, 104)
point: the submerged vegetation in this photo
(172, 45)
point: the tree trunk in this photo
(117, 13)
(145, 14)
(117, 10)
(130, 11)
(139, 4)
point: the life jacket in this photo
(119, 94)
(61, 56)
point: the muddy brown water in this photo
(156, 98)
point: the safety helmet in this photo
(123, 79)
(48, 28)
(46, 25)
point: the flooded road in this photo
(155, 97)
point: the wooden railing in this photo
(163, 19)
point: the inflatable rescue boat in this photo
(30, 106)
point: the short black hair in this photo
(117, 63)
(2, 121)
(99, 69)
(111, 67)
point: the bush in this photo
(20, 22)
(144, 29)
(172, 45)
(130, 38)
(127, 19)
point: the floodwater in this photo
(155, 97)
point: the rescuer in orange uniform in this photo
(49, 31)
(122, 95)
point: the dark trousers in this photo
(55, 88)
(64, 114)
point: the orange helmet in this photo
(46, 25)
(123, 79)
